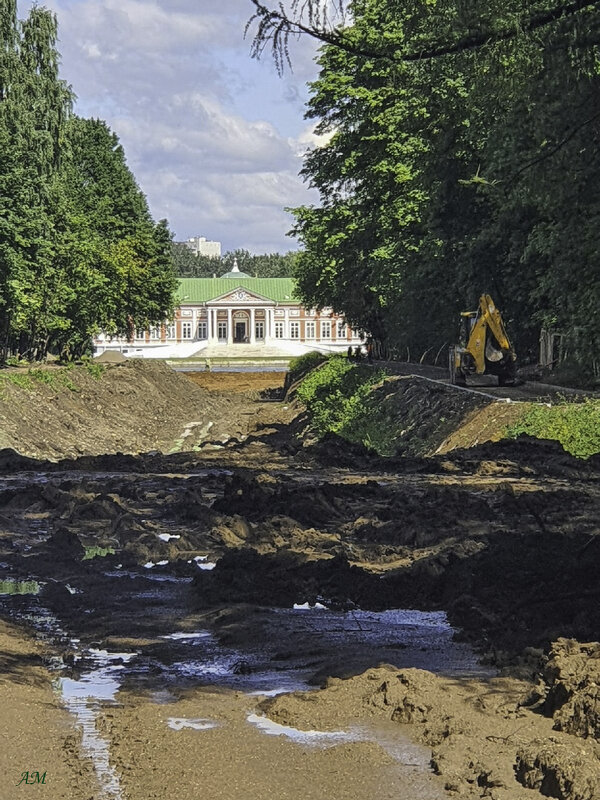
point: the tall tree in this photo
(265, 265)
(78, 248)
(453, 176)
(35, 106)
(325, 21)
(116, 257)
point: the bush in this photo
(303, 364)
(336, 394)
(575, 425)
(573, 373)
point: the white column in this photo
(252, 327)
(268, 324)
(208, 325)
(229, 326)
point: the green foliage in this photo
(446, 178)
(78, 248)
(97, 552)
(20, 379)
(266, 265)
(43, 376)
(302, 364)
(58, 378)
(12, 586)
(95, 370)
(575, 425)
(335, 394)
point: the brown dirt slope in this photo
(129, 408)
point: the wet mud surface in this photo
(175, 593)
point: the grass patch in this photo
(95, 370)
(11, 586)
(97, 552)
(56, 378)
(20, 379)
(303, 364)
(337, 396)
(575, 425)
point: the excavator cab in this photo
(484, 348)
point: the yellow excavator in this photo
(485, 348)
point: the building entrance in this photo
(240, 334)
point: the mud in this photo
(189, 564)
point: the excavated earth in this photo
(235, 516)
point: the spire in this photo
(235, 267)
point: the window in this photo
(279, 330)
(155, 332)
(202, 330)
(222, 331)
(309, 327)
(294, 330)
(325, 330)
(341, 330)
(260, 330)
(171, 330)
(356, 334)
(140, 333)
(186, 330)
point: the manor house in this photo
(237, 314)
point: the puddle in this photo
(83, 698)
(183, 636)
(318, 738)
(178, 723)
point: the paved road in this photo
(486, 384)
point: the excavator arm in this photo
(486, 349)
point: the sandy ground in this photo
(238, 382)
(235, 759)
(36, 734)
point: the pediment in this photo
(240, 295)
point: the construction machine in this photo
(485, 348)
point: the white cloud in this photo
(212, 136)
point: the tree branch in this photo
(554, 149)
(277, 27)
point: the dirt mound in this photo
(565, 770)
(484, 743)
(572, 677)
(244, 576)
(132, 407)
(239, 382)
(110, 357)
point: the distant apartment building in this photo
(201, 246)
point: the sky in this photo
(214, 138)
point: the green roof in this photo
(200, 290)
